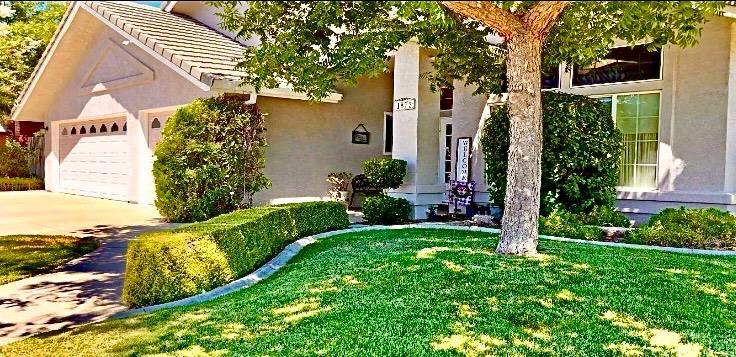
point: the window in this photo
(74, 131)
(388, 133)
(622, 64)
(446, 98)
(103, 128)
(83, 130)
(92, 129)
(155, 124)
(551, 77)
(114, 127)
(125, 127)
(637, 117)
(64, 132)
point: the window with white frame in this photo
(637, 117)
(621, 64)
(388, 133)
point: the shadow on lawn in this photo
(418, 293)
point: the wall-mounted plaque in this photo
(405, 104)
(361, 135)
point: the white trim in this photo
(150, 51)
(441, 154)
(168, 5)
(661, 71)
(559, 79)
(236, 86)
(93, 118)
(383, 148)
(46, 57)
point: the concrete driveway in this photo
(85, 290)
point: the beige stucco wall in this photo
(307, 140)
(696, 142)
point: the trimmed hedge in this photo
(706, 228)
(20, 183)
(173, 264)
(384, 209)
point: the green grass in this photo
(24, 255)
(437, 292)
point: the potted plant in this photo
(339, 182)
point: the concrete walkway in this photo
(85, 290)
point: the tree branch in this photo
(540, 18)
(498, 19)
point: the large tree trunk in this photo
(521, 211)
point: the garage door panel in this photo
(95, 164)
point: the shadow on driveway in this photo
(87, 289)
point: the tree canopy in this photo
(314, 45)
(26, 27)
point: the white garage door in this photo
(94, 158)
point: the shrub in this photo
(561, 223)
(173, 264)
(210, 159)
(604, 217)
(20, 183)
(385, 173)
(14, 160)
(708, 228)
(384, 209)
(580, 155)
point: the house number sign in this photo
(462, 165)
(405, 104)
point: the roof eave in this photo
(237, 86)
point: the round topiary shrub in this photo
(210, 159)
(580, 153)
(385, 173)
(704, 228)
(384, 209)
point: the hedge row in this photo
(173, 264)
(20, 183)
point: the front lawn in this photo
(437, 292)
(23, 256)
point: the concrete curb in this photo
(293, 249)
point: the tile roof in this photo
(197, 49)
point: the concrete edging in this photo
(294, 248)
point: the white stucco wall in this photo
(307, 140)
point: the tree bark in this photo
(523, 69)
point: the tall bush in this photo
(14, 160)
(580, 153)
(210, 159)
